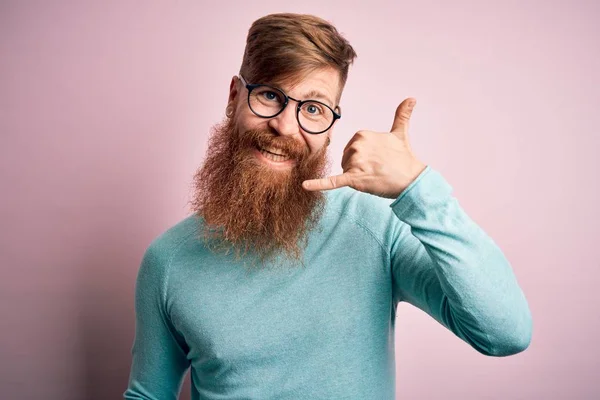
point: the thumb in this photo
(402, 117)
(331, 182)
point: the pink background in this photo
(104, 114)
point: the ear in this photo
(233, 90)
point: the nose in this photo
(286, 123)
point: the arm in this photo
(159, 358)
(446, 265)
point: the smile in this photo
(274, 157)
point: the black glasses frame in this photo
(252, 86)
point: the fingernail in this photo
(411, 104)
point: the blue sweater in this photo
(325, 331)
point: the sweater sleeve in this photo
(446, 265)
(159, 359)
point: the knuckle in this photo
(353, 148)
(359, 161)
(404, 114)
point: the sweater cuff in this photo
(428, 189)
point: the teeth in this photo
(273, 157)
(275, 151)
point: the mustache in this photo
(264, 139)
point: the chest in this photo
(230, 318)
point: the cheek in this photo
(247, 122)
(315, 143)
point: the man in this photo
(278, 286)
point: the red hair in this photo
(284, 47)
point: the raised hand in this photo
(379, 163)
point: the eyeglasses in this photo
(268, 101)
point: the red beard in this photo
(250, 206)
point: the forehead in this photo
(322, 84)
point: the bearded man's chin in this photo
(249, 206)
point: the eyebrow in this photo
(315, 94)
(310, 95)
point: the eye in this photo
(270, 95)
(313, 109)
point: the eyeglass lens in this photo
(266, 101)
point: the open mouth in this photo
(273, 154)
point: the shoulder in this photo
(174, 236)
(162, 249)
